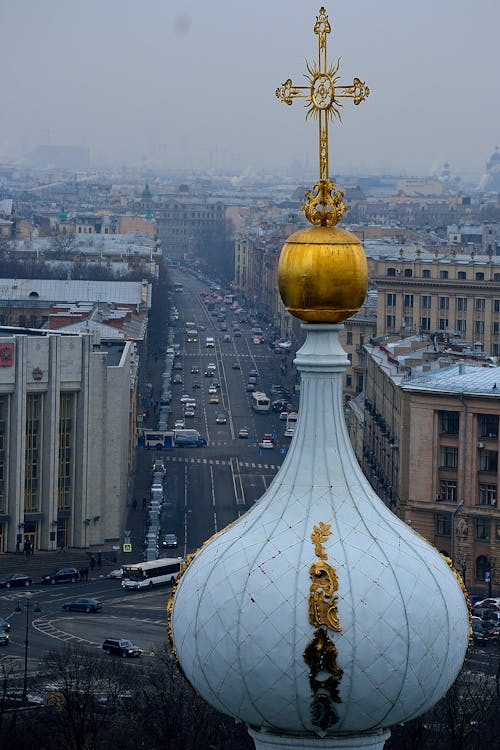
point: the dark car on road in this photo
(4, 638)
(121, 647)
(63, 575)
(4, 625)
(15, 579)
(82, 605)
(169, 541)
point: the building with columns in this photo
(65, 438)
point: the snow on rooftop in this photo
(459, 378)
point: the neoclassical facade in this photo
(65, 437)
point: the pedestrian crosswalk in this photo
(219, 462)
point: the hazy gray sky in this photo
(192, 84)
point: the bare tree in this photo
(88, 696)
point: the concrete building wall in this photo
(65, 476)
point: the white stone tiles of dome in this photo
(240, 615)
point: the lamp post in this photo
(27, 606)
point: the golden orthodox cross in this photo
(322, 101)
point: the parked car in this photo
(169, 541)
(121, 647)
(15, 579)
(63, 575)
(82, 605)
(4, 624)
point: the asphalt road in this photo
(207, 488)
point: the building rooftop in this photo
(458, 378)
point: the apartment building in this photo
(458, 295)
(427, 437)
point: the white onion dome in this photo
(319, 615)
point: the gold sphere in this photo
(322, 274)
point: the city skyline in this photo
(176, 85)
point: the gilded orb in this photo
(322, 274)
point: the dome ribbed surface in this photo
(240, 614)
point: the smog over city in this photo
(190, 85)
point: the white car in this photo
(212, 390)
(185, 398)
(179, 424)
(243, 433)
(118, 573)
(266, 444)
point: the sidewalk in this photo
(43, 562)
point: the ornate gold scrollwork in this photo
(322, 599)
(324, 206)
(320, 653)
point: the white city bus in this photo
(260, 402)
(145, 575)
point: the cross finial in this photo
(324, 204)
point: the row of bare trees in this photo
(90, 703)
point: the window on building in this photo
(443, 274)
(3, 467)
(443, 524)
(462, 275)
(425, 324)
(479, 276)
(64, 483)
(480, 304)
(494, 350)
(426, 301)
(462, 304)
(426, 274)
(408, 300)
(483, 529)
(488, 460)
(349, 357)
(444, 303)
(408, 272)
(496, 276)
(482, 567)
(449, 422)
(443, 324)
(496, 305)
(391, 300)
(390, 322)
(408, 322)
(496, 329)
(447, 491)
(391, 271)
(349, 337)
(448, 457)
(461, 325)
(348, 381)
(488, 425)
(479, 326)
(32, 452)
(487, 494)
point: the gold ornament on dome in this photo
(321, 654)
(324, 205)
